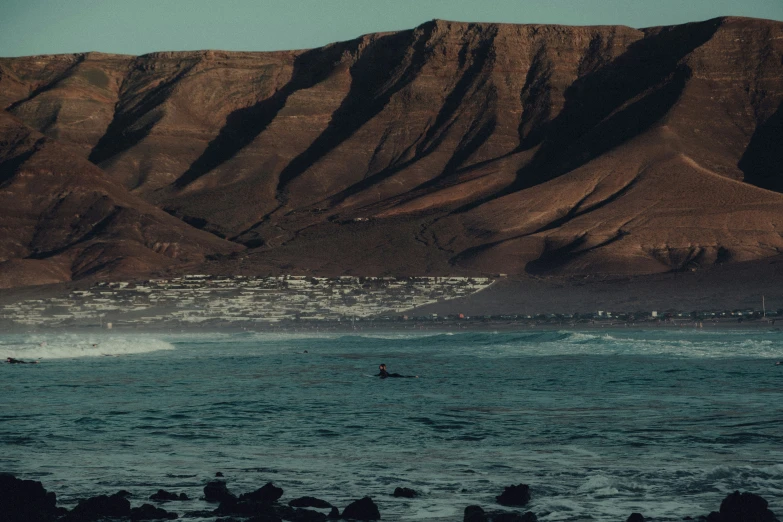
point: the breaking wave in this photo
(66, 346)
(691, 344)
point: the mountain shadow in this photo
(762, 161)
(474, 77)
(380, 72)
(594, 118)
(124, 131)
(244, 125)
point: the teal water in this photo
(600, 424)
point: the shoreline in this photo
(30, 501)
(465, 326)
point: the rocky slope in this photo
(62, 218)
(453, 147)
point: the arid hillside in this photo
(449, 148)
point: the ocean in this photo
(599, 423)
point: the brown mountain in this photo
(61, 217)
(453, 147)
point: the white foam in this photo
(66, 346)
(689, 344)
(599, 485)
(577, 337)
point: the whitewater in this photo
(599, 423)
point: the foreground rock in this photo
(266, 494)
(305, 515)
(404, 493)
(28, 501)
(150, 512)
(100, 507)
(217, 491)
(477, 514)
(743, 507)
(362, 509)
(518, 495)
(256, 503)
(247, 508)
(163, 495)
(303, 502)
(25, 500)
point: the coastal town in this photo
(204, 301)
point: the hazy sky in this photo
(142, 26)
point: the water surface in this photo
(600, 424)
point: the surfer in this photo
(383, 373)
(11, 360)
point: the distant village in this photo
(214, 301)
(306, 302)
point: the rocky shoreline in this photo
(28, 501)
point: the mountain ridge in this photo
(450, 147)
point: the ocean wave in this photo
(564, 342)
(67, 346)
(688, 344)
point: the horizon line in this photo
(363, 35)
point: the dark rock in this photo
(474, 514)
(309, 502)
(285, 512)
(518, 495)
(267, 516)
(218, 474)
(217, 491)
(745, 507)
(150, 512)
(362, 509)
(25, 500)
(123, 493)
(714, 517)
(477, 514)
(247, 508)
(500, 516)
(306, 515)
(202, 514)
(102, 506)
(163, 495)
(267, 494)
(404, 492)
(334, 513)
(635, 517)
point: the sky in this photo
(29, 27)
